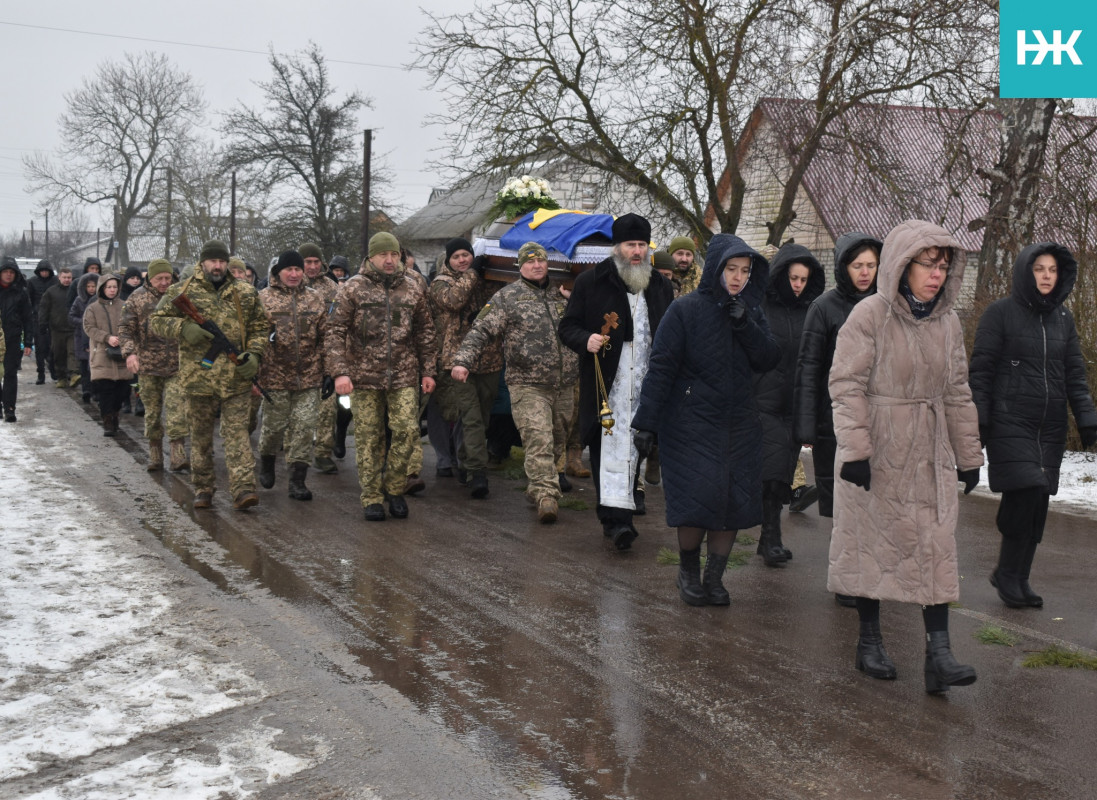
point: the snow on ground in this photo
(91, 657)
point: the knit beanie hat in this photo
(310, 250)
(453, 245)
(290, 258)
(530, 251)
(236, 263)
(631, 228)
(681, 243)
(214, 249)
(383, 242)
(663, 261)
(158, 266)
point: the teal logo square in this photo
(1047, 49)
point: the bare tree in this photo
(304, 148)
(121, 127)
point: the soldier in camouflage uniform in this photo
(457, 295)
(379, 340)
(415, 483)
(238, 268)
(541, 371)
(319, 280)
(156, 361)
(687, 273)
(292, 373)
(235, 308)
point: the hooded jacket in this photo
(773, 390)
(76, 315)
(37, 286)
(1027, 366)
(697, 397)
(825, 316)
(380, 333)
(902, 402)
(597, 292)
(102, 320)
(17, 313)
(295, 356)
(127, 290)
(157, 356)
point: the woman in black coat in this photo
(1026, 367)
(795, 279)
(697, 399)
(856, 258)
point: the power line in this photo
(191, 44)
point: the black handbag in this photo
(114, 352)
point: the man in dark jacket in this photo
(1026, 368)
(625, 285)
(42, 279)
(53, 321)
(18, 317)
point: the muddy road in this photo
(536, 661)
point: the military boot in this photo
(479, 484)
(156, 455)
(575, 466)
(325, 465)
(297, 488)
(266, 471)
(179, 460)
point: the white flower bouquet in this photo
(522, 195)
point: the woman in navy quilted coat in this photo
(1027, 366)
(698, 399)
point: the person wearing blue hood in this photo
(1026, 368)
(697, 400)
(796, 278)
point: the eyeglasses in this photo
(939, 258)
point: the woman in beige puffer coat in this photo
(907, 430)
(102, 322)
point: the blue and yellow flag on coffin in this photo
(557, 229)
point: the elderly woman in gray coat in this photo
(906, 429)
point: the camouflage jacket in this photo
(324, 286)
(526, 318)
(236, 310)
(456, 299)
(295, 356)
(686, 282)
(380, 333)
(158, 356)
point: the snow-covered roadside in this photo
(1077, 484)
(92, 658)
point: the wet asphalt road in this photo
(547, 652)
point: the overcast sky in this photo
(42, 65)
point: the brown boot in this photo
(110, 424)
(156, 455)
(547, 510)
(575, 466)
(245, 500)
(179, 460)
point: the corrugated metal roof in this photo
(452, 213)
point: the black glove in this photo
(1089, 437)
(968, 477)
(480, 263)
(644, 441)
(737, 310)
(327, 388)
(984, 435)
(857, 472)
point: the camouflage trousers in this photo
(470, 403)
(415, 460)
(541, 415)
(575, 441)
(325, 427)
(163, 394)
(202, 412)
(292, 418)
(372, 409)
(64, 357)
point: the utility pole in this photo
(232, 217)
(31, 239)
(367, 151)
(47, 234)
(167, 227)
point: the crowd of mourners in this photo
(707, 377)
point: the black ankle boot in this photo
(942, 669)
(770, 548)
(872, 658)
(712, 584)
(266, 471)
(1006, 577)
(297, 489)
(689, 577)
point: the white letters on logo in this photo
(1042, 48)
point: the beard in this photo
(636, 277)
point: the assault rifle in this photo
(221, 343)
